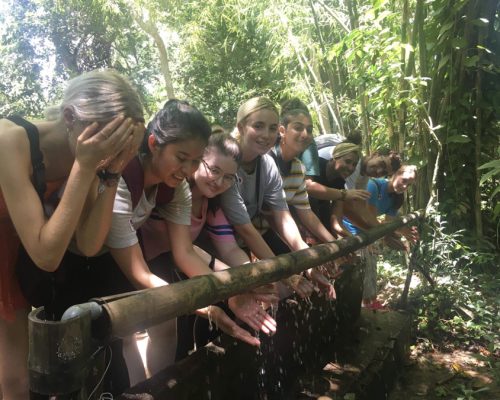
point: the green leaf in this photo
(458, 139)
(491, 164)
(480, 22)
(489, 174)
(459, 43)
(443, 61)
(471, 61)
(485, 49)
(495, 192)
(445, 28)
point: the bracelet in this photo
(108, 178)
(343, 194)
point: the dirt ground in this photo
(444, 370)
(433, 374)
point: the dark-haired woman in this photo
(156, 179)
(295, 136)
(216, 174)
(386, 199)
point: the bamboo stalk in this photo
(149, 307)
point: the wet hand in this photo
(267, 294)
(250, 311)
(410, 233)
(394, 242)
(228, 326)
(299, 284)
(322, 283)
(331, 269)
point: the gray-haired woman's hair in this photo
(99, 96)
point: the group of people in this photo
(94, 203)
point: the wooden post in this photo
(142, 309)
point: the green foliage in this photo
(377, 65)
(21, 61)
(226, 58)
(463, 306)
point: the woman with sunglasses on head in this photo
(97, 126)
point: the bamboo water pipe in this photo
(142, 309)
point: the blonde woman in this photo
(259, 191)
(97, 128)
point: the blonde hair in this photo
(99, 96)
(249, 107)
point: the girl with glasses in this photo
(215, 174)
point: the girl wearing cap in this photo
(333, 174)
(259, 191)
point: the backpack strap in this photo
(164, 195)
(35, 154)
(284, 167)
(133, 175)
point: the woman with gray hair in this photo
(85, 142)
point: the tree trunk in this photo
(152, 30)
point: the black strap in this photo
(257, 178)
(283, 166)
(133, 175)
(36, 154)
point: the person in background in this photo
(386, 199)
(333, 174)
(97, 128)
(378, 164)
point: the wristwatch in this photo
(343, 194)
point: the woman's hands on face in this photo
(97, 148)
(120, 161)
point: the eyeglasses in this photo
(217, 173)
